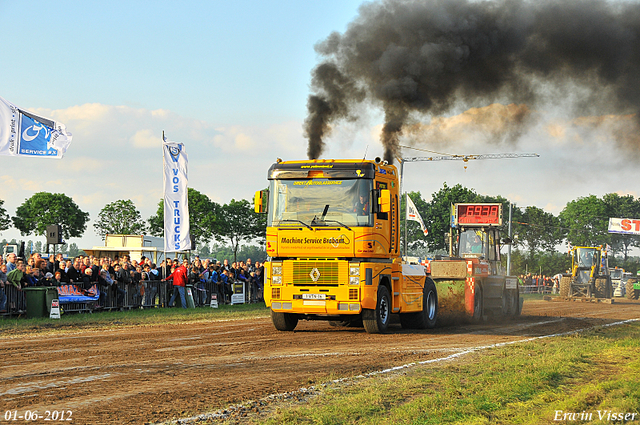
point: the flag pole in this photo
(406, 208)
(164, 242)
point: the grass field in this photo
(590, 377)
(136, 317)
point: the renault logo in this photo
(315, 274)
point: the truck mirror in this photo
(259, 204)
(385, 200)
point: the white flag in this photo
(176, 202)
(23, 133)
(413, 214)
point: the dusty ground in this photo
(157, 373)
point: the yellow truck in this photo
(589, 277)
(333, 238)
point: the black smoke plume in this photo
(428, 56)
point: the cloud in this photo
(146, 139)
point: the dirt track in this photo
(156, 373)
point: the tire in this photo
(602, 288)
(631, 294)
(427, 318)
(565, 286)
(377, 321)
(478, 305)
(510, 302)
(284, 321)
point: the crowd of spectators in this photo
(538, 283)
(141, 278)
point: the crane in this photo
(465, 158)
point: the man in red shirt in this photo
(180, 278)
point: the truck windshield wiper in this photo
(297, 221)
(336, 221)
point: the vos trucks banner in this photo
(176, 206)
(23, 133)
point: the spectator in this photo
(51, 264)
(16, 279)
(87, 281)
(151, 285)
(228, 285)
(56, 279)
(63, 273)
(259, 279)
(11, 262)
(73, 271)
(136, 288)
(180, 278)
(30, 277)
(3, 282)
(47, 280)
(59, 259)
(250, 267)
(197, 275)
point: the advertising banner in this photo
(627, 226)
(24, 133)
(176, 206)
(413, 214)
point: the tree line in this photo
(537, 233)
(234, 223)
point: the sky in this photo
(230, 80)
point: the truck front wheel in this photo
(284, 321)
(377, 321)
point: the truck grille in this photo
(317, 273)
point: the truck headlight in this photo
(276, 280)
(276, 270)
(354, 280)
(354, 270)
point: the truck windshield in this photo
(587, 257)
(320, 202)
(472, 243)
(616, 273)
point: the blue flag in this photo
(23, 133)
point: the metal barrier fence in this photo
(146, 294)
(536, 289)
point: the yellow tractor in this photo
(589, 277)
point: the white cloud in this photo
(112, 157)
(146, 139)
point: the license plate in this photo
(314, 296)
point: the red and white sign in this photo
(627, 226)
(479, 214)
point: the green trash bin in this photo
(188, 295)
(36, 301)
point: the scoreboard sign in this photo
(478, 214)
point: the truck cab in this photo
(333, 241)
